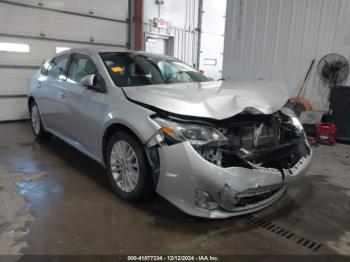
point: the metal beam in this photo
(200, 23)
(13, 96)
(138, 15)
(63, 11)
(129, 23)
(60, 40)
(12, 66)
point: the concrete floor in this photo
(54, 200)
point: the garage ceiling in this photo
(44, 26)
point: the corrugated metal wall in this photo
(277, 39)
(185, 41)
(183, 16)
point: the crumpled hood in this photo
(216, 100)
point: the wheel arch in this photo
(110, 131)
(30, 100)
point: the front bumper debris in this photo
(235, 190)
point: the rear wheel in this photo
(36, 122)
(128, 169)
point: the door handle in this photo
(62, 95)
(38, 85)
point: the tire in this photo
(36, 123)
(127, 166)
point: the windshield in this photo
(136, 69)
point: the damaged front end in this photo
(224, 168)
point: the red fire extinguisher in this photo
(325, 133)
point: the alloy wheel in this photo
(35, 117)
(125, 166)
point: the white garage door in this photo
(33, 30)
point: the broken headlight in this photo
(195, 134)
(293, 118)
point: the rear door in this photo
(52, 100)
(85, 105)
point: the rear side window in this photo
(57, 66)
(81, 65)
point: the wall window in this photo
(14, 47)
(60, 49)
(210, 62)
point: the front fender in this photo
(132, 116)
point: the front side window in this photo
(81, 65)
(134, 69)
(57, 67)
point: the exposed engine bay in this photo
(257, 140)
(252, 141)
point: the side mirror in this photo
(89, 81)
(94, 82)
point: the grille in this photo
(251, 200)
(257, 136)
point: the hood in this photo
(215, 100)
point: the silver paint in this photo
(82, 117)
(178, 182)
(216, 100)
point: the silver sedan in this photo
(214, 149)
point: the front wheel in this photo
(127, 166)
(36, 122)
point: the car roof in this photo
(96, 50)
